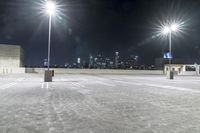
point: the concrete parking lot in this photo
(76, 103)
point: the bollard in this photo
(48, 76)
(53, 73)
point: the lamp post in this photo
(169, 30)
(49, 42)
(50, 10)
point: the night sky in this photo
(100, 27)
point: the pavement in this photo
(99, 104)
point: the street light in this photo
(50, 9)
(169, 30)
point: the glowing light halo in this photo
(174, 27)
(56, 10)
(166, 30)
(177, 27)
(171, 28)
(50, 8)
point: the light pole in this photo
(49, 42)
(170, 47)
(50, 8)
(169, 30)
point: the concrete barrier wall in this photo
(6, 70)
(78, 71)
(94, 71)
(189, 73)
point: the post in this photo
(49, 42)
(170, 48)
(170, 73)
(48, 73)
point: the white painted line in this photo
(130, 83)
(19, 79)
(42, 85)
(106, 84)
(162, 86)
(78, 85)
(6, 86)
(47, 85)
(174, 88)
(63, 79)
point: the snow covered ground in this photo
(99, 104)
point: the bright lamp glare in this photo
(174, 27)
(50, 7)
(166, 30)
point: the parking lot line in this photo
(45, 85)
(174, 88)
(6, 86)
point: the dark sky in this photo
(100, 27)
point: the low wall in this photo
(95, 71)
(192, 73)
(21, 70)
(6, 70)
(78, 71)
